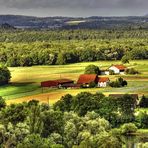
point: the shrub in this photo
(125, 59)
(120, 82)
(143, 102)
(2, 103)
(111, 72)
(131, 71)
(4, 75)
(142, 120)
(92, 85)
(128, 128)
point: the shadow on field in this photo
(20, 83)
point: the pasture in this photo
(25, 82)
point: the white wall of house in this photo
(116, 70)
(102, 84)
(104, 72)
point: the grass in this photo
(75, 22)
(25, 82)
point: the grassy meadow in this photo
(25, 82)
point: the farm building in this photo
(86, 79)
(118, 69)
(103, 81)
(56, 83)
(104, 72)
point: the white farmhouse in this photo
(118, 69)
(103, 81)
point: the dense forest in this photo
(46, 47)
(82, 121)
(93, 22)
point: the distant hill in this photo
(93, 22)
(6, 26)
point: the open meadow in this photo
(25, 82)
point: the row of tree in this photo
(63, 52)
(78, 34)
(74, 122)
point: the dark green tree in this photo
(5, 75)
(2, 103)
(92, 69)
(143, 102)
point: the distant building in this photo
(86, 79)
(104, 72)
(118, 69)
(56, 83)
(103, 81)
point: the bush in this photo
(4, 75)
(92, 85)
(142, 120)
(131, 71)
(125, 59)
(92, 69)
(111, 72)
(2, 103)
(120, 82)
(128, 128)
(143, 102)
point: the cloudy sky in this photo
(74, 7)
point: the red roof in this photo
(87, 78)
(103, 79)
(55, 83)
(120, 67)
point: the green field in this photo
(25, 82)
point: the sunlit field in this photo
(25, 82)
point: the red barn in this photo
(87, 79)
(56, 83)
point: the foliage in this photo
(34, 120)
(84, 122)
(34, 141)
(70, 46)
(14, 113)
(128, 128)
(111, 72)
(131, 71)
(125, 60)
(142, 120)
(116, 111)
(4, 75)
(92, 69)
(64, 104)
(143, 102)
(92, 85)
(120, 82)
(2, 103)
(53, 122)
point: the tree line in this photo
(84, 120)
(65, 52)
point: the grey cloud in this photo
(26, 4)
(75, 7)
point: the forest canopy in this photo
(27, 48)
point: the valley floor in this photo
(25, 82)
